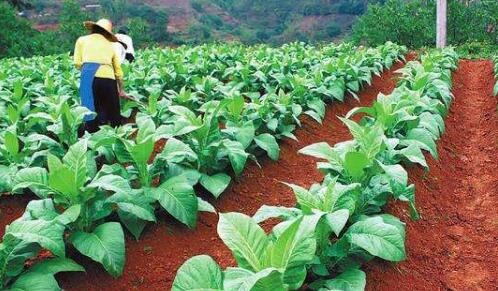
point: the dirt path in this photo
(152, 262)
(455, 244)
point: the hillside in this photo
(195, 21)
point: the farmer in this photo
(125, 46)
(101, 75)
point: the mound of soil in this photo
(454, 245)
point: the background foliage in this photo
(412, 23)
(472, 24)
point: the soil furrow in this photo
(152, 262)
(454, 245)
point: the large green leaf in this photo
(356, 130)
(15, 253)
(62, 179)
(414, 155)
(245, 133)
(48, 234)
(7, 174)
(292, 251)
(104, 245)
(236, 154)
(245, 238)
(112, 183)
(355, 164)
(134, 203)
(57, 265)
(35, 281)
(266, 212)
(176, 151)
(215, 184)
(122, 149)
(337, 220)
(424, 139)
(269, 144)
(40, 209)
(321, 150)
(199, 273)
(429, 122)
(76, 161)
(245, 280)
(70, 215)
(351, 280)
(397, 173)
(378, 238)
(236, 105)
(140, 152)
(146, 128)
(184, 112)
(34, 178)
(177, 196)
(133, 223)
(306, 200)
(134, 209)
(11, 142)
(205, 206)
(337, 89)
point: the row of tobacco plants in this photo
(199, 114)
(338, 224)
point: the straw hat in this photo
(105, 24)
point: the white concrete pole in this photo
(441, 23)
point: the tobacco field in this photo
(239, 167)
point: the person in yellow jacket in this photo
(101, 83)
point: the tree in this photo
(15, 33)
(19, 4)
(333, 29)
(71, 21)
(412, 23)
(139, 31)
(117, 10)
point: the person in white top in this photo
(120, 48)
(124, 48)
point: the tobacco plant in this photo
(265, 262)
(74, 185)
(39, 229)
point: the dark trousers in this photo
(106, 99)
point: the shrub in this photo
(333, 29)
(197, 5)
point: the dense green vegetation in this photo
(412, 23)
(18, 37)
(275, 20)
(339, 224)
(213, 107)
(272, 21)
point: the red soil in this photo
(454, 245)
(11, 208)
(47, 27)
(152, 262)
